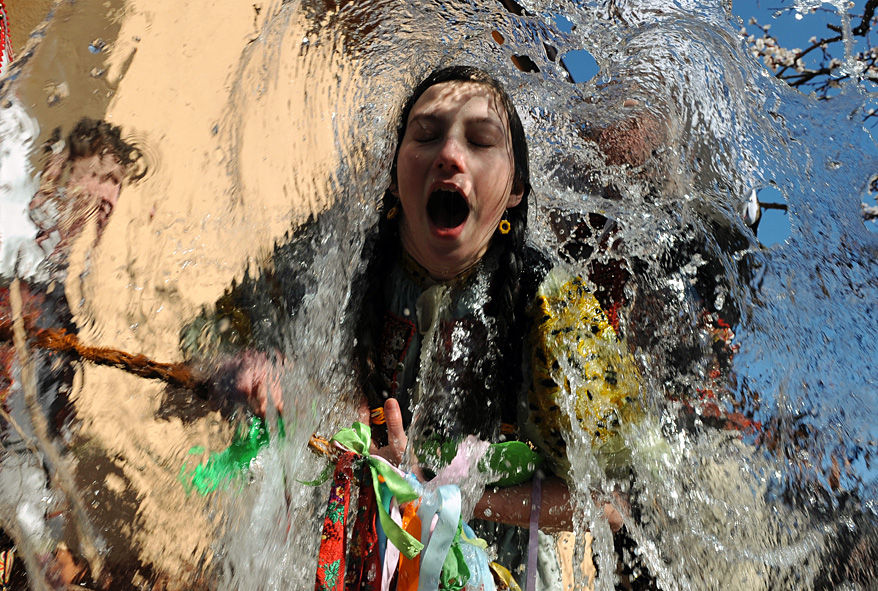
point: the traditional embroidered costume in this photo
(437, 359)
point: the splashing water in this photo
(758, 363)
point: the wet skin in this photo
(457, 141)
(96, 182)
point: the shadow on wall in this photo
(24, 16)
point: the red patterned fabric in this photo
(364, 571)
(5, 42)
(331, 562)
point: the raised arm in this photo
(512, 505)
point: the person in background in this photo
(78, 189)
(81, 184)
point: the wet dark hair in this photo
(504, 304)
(90, 137)
(475, 76)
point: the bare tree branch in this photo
(865, 25)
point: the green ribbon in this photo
(357, 439)
(512, 462)
(233, 462)
(509, 462)
(455, 572)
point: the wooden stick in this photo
(175, 374)
(180, 375)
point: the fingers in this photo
(393, 416)
(364, 414)
(612, 514)
(613, 517)
(274, 388)
(260, 400)
(396, 436)
(257, 379)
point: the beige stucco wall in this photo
(177, 237)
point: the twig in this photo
(28, 442)
(781, 206)
(864, 26)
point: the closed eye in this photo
(482, 143)
(485, 135)
(422, 129)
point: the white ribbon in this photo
(444, 506)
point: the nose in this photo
(450, 156)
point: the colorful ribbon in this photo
(229, 464)
(333, 544)
(507, 463)
(357, 439)
(7, 559)
(533, 541)
(440, 526)
(436, 562)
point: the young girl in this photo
(449, 342)
(460, 318)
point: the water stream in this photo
(758, 363)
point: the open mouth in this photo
(447, 209)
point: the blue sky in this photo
(792, 30)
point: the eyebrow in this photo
(438, 119)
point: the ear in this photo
(516, 193)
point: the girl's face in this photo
(454, 176)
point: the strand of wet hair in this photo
(382, 255)
(505, 305)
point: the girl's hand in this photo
(397, 440)
(613, 515)
(254, 376)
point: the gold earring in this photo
(504, 226)
(392, 212)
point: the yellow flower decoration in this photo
(578, 357)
